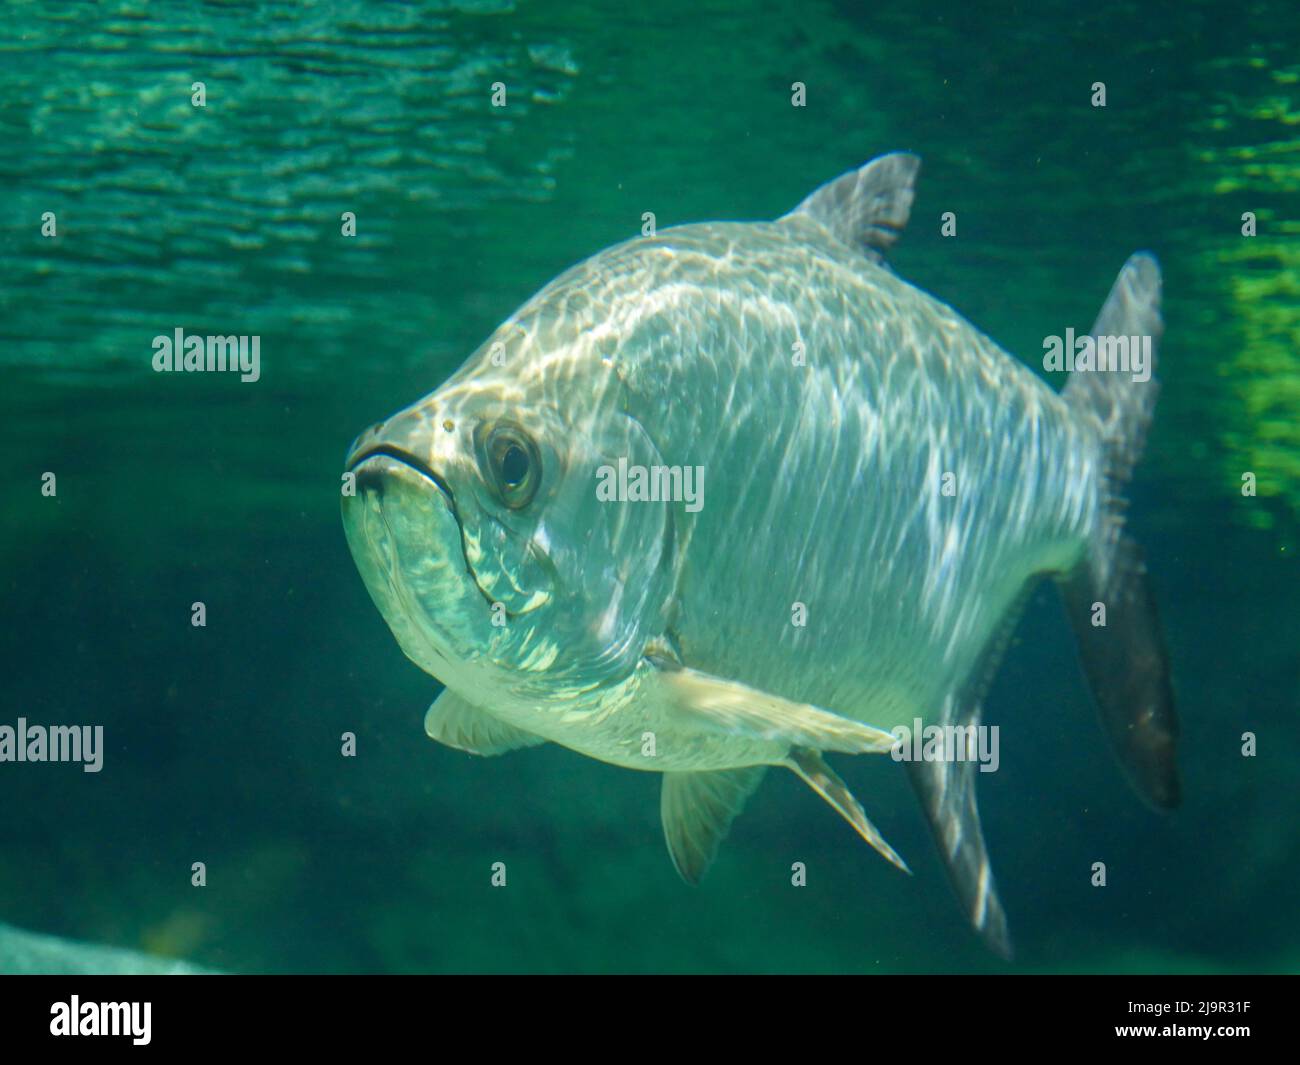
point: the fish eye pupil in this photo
(514, 465)
(511, 465)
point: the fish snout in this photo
(414, 432)
(366, 441)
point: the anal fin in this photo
(946, 789)
(947, 793)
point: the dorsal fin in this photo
(866, 208)
(457, 723)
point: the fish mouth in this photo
(406, 459)
(373, 477)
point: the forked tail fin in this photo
(1107, 597)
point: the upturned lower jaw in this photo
(406, 543)
(360, 461)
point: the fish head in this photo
(477, 528)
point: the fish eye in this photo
(514, 465)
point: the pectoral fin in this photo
(736, 709)
(697, 811)
(454, 722)
(814, 772)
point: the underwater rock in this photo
(26, 953)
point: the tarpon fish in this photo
(878, 487)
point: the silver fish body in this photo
(825, 481)
(877, 484)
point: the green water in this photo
(222, 742)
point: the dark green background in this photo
(223, 742)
